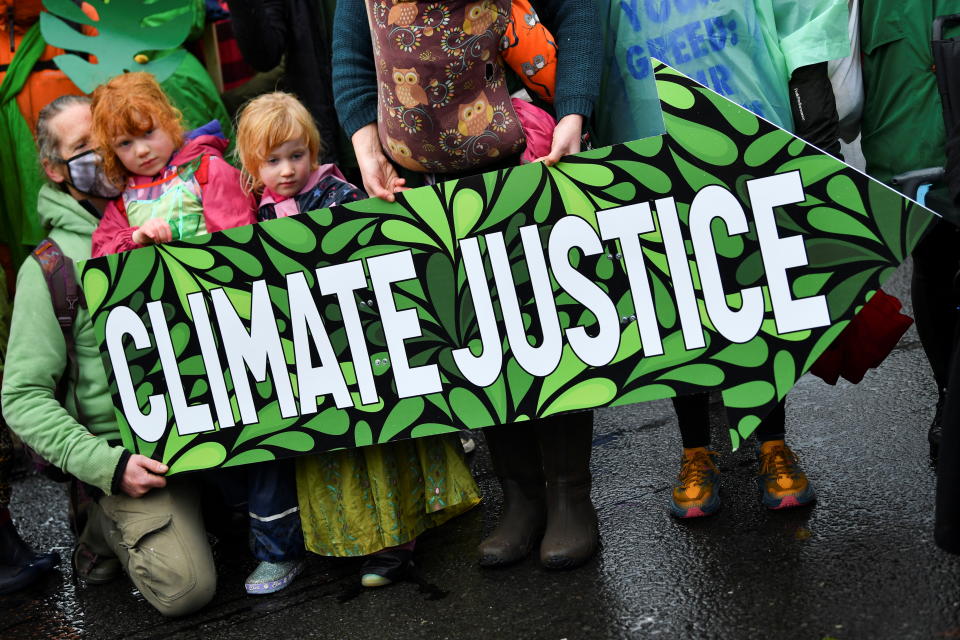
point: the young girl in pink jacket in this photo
(175, 184)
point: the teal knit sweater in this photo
(574, 23)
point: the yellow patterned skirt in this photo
(355, 502)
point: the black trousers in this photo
(935, 264)
(6, 464)
(693, 414)
(947, 525)
(936, 260)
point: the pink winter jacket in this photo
(224, 204)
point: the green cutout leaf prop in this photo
(132, 36)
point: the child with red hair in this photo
(175, 184)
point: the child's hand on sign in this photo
(141, 475)
(566, 139)
(153, 231)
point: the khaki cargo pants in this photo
(161, 542)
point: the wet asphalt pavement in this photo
(859, 564)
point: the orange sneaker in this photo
(782, 482)
(697, 492)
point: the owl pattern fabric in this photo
(443, 101)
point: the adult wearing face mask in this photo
(140, 521)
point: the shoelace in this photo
(779, 461)
(695, 468)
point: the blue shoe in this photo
(270, 577)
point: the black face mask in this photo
(87, 177)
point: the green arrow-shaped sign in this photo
(726, 254)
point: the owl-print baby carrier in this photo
(176, 198)
(444, 105)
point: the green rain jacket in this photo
(902, 124)
(74, 436)
(745, 50)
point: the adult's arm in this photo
(354, 73)
(36, 359)
(380, 177)
(355, 97)
(814, 107)
(576, 26)
(811, 31)
(261, 30)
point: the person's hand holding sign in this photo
(141, 475)
(566, 139)
(153, 231)
(380, 177)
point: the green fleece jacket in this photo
(4, 320)
(74, 438)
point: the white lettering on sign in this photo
(626, 225)
(484, 369)
(122, 322)
(190, 418)
(343, 280)
(569, 233)
(399, 325)
(543, 359)
(712, 203)
(252, 342)
(211, 359)
(308, 329)
(257, 350)
(780, 254)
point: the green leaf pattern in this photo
(854, 230)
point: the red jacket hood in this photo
(210, 144)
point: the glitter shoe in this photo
(270, 577)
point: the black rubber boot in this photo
(20, 566)
(516, 460)
(572, 536)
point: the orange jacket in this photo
(47, 82)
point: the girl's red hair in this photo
(129, 105)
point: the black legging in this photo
(935, 263)
(6, 465)
(947, 525)
(693, 414)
